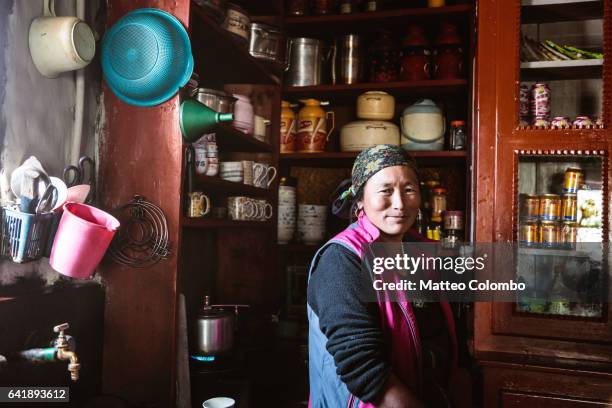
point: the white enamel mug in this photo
(60, 44)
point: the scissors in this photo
(81, 174)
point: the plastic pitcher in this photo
(82, 238)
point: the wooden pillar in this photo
(141, 154)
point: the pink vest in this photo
(399, 322)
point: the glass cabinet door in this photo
(561, 64)
(560, 232)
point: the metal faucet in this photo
(64, 352)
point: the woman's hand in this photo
(397, 395)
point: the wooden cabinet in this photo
(515, 156)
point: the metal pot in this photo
(350, 59)
(266, 42)
(305, 62)
(214, 330)
(216, 100)
(237, 21)
(361, 134)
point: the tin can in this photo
(199, 204)
(528, 234)
(524, 102)
(583, 121)
(572, 180)
(541, 121)
(559, 306)
(568, 233)
(540, 100)
(569, 209)
(549, 234)
(550, 207)
(453, 220)
(530, 207)
(560, 121)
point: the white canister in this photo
(423, 126)
(361, 134)
(60, 44)
(243, 114)
(375, 105)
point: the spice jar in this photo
(298, 7)
(457, 135)
(438, 203)
(448, 53)
(416, 55)
(372, 5)
(346, 7)
(385, 61)
(321, 7)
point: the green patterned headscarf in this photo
(372, 160)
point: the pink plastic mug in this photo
(83, 236)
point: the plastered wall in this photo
(36, 113)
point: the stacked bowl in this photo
(311, 223)
(231, 171)
(286, 213)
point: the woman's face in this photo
(391, 200)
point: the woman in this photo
(368, 354)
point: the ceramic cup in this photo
(247, 172)
(240, 208)
(219, 402)
(260, 129)
(263, 175)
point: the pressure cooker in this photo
(215, 327)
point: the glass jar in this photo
(457, 135)
(416, 55)
(385, 58)
(298, 7)
(448, 53)
(438, 203)
(372, 5)
(346, 7)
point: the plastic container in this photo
(25, 236)
(82, 238)
(146, 57)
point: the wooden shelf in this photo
(221, 55)
(217, 184)
(298, 248)
(411, 89)
(571, 69)
(550, 11)
(187, 222)
(372, 20)
(334, 157)
(230, 139)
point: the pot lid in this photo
(376, 124)
(304, 40)
(423, 106)
(215, 92)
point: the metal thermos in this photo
(350, 58)
(306, 58)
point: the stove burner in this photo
(206, 359)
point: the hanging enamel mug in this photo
(60, 44)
